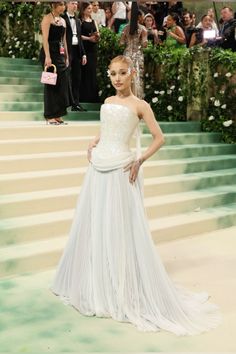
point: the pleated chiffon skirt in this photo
(111, 268)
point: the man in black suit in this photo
(77, 55)
(228, 29)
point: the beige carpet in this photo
(34, 321)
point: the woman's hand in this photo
(89, 151)
(133, 167)
(48, 61)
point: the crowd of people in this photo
(71, 35)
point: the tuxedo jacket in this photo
(69, 35)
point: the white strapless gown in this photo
(110, 266)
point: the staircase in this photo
(189, 184)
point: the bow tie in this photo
(72, 16)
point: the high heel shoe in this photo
(61, 121)
(52, 122)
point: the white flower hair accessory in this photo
(109, 72)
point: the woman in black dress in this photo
(90, 36)
(56, 98)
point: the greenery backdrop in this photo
(179, 84)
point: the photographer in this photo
(204, 36)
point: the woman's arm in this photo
(192, 41)
(45, 26)
(92, 145)
(147, 115)
(145, 112)
(144, 38)
(178, 35)
(65, 45)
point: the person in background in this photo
(119, 9)
(175, 36)
(227, 34)
(77, 55)
(134, 37)
(98, 15)
(54, 51)
(90, 36)
(109, 18)
(198, 35)
(211, 14)
(188, 26)
(149, 23)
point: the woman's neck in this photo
(124, 93)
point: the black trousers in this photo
(75, 66)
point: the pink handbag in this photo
(49, 78)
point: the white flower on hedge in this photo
(217, 103)
(180, 99)
(146, 75)
(34, 58)
(216, 75)
(10, 46)
(169, 92)
(172, 87)
(24, 32)
(108, 86)
(178, 78)
(100, 93)
(7, 40)
(169, 108)
(25, 42)
(15, 39)
(21, 49)
(18, 14)
(228, 74)
(180, 89)
(10, 51)
(223, 106)
(228, 123)
(147, 86)
(30, 16)
(212, 98)
(211, 118)
(156, 92)
(154, 100)
(11, 15)
(222, 92)
(13, 56)
(162, 93)
(17, 44)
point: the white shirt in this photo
(99, 17)
(120, 10)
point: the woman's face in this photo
(170, 21)
(95, 6)
(207, 22)
(88, 10)
(148, 22)
(120, 75)
(59, 7)
(108, 13)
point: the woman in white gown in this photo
(110, 267)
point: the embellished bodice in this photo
(118, 124)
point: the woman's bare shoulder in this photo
(109, 99)
(143, 107)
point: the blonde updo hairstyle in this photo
(122, 59)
